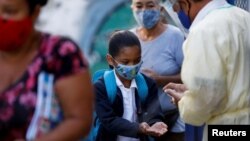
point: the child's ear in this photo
(109, 59)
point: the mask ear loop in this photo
(114, 62)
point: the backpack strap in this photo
(142, 87)
(98, 74)
(109, 78)
(111, 87)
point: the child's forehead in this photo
(129, 51)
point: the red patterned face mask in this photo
(13, 34)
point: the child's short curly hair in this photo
(121, 39)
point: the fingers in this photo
(182, 87)
(176, 96)
(173, 101)
(158, 129)
(162, 128)
(143, 127)
(172, 93)
(170, 86)
(156, 133)
(175, 86)
(174, 90)
(162, 124)
(162, 132)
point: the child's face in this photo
(127, 56)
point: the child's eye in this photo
(138, 61)
(125, 62)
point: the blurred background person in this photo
(45, 87)
(161, 54)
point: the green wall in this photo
(119, 18)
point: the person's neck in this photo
(150, 34)
(126, 83)
(198, 6)
(29, 47)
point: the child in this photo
(127, 118)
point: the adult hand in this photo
(157, 129)
(176, 91)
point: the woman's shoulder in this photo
(174, 32)
(62, 55)
(173, 29)
(63, 44)
(59, 46)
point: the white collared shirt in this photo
(129, 106)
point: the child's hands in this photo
(157, 129)
(143, 127)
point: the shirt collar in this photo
(212, 5)
(119, 83)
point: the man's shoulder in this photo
(220, 19)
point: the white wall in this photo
(77, 19)
(63, 17)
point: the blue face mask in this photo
(147, 18)
(184, 18)
(128, 72)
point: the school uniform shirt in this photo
(121, 118)
(216, 67)
(128, 95)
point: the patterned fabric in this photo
(58, 56)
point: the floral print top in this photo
(57, 55)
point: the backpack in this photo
(111, 89)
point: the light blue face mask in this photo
(128, 72)
(147, 18)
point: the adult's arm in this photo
(204, 74)
(75, 94)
